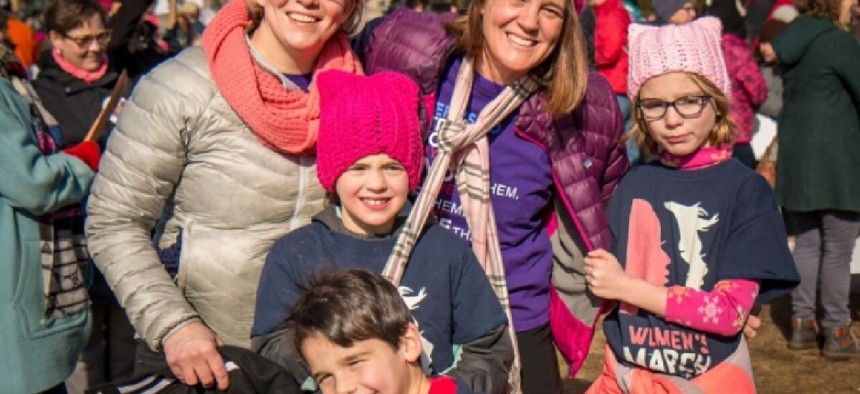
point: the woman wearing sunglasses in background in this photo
(74, 82)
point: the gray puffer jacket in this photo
(181, 161)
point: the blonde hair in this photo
(568, 62)
(721, 133)
(352, 24)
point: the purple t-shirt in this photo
(303, 81)
(521, 189)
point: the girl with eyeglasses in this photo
(697, 237)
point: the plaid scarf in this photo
(62, 242)
(466, 148)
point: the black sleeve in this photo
(279, 347)
(132, 46)
(124, 22)
(484, 363)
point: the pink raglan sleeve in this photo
(722, 311)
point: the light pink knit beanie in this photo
(362, 116)
(694, 47)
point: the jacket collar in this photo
(331, 218)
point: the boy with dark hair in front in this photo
(355, 332)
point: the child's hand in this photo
(751, 327)
(604, 275)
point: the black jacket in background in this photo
(132, 46)
(73, 103)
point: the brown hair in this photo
(820, 8)
(350, 306)
(63, 16)
(568, 63)
(352, 24)
(721, 134)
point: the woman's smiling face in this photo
(298, 29)
(84, 46)
(518, 36)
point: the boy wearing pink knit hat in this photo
(698, 238)
(369, 158)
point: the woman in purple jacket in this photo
(553, 155)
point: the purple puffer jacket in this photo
(587, 162)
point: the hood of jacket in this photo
(793, 42)
(331, 218)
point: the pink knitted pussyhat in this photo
(362, 116)
(694, 47)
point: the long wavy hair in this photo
(568, 62)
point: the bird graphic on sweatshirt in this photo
(691, 221)
(413, 302)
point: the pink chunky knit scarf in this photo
(285, 121)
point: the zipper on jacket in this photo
(304, 161)
(559, 188)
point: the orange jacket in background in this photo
(21, 35)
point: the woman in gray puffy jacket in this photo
(214, 153)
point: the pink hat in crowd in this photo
(362, 116)
(692, 47)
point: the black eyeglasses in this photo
(688, 107)
(102, 37)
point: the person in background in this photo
(75, 80)
(186, 31)
(441, 6)
(44, 317)
(817, 178)
(381, 334)
(749, 90)
(133, 46)
(676, 12)
(75, 75)
(215, 153)
(610, 56)
(772, 106)
(769, 66)
(20, 36)
(416, 5)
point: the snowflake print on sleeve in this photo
(721, 311)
